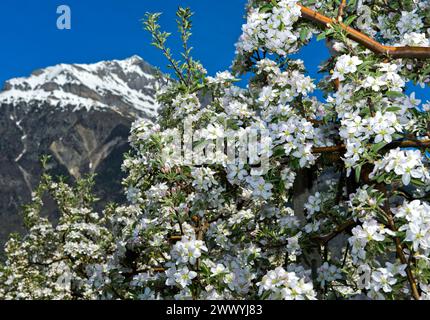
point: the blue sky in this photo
(109, 29)
(112, 29)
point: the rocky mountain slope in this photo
(81, 116)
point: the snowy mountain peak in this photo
(124, 85)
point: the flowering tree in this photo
(57, 261)
(219, 214)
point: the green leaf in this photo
(325, 34)
(278, 151)
(397, 136)
(321, 36)
(266, 8)
(350, 20)
(358, 173)
(426, 70)
(378, 146)
(418, 182)
(304, 33)
(380, 178)
(394, 94)
(393, 109)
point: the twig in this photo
(179, 222)
(343, 227)
(346, 254)
(341, 9)
(399, 249)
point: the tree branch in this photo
(395, 144)
(343, 227)
(369, 43)
(399, 248)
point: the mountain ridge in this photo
(80, 115)
(131, 81)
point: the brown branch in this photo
(336, 82)
(341, 10)
(361, 38)
(366, 41)
(395, 144)
(399, 248)
(174, 239)
(343, 227)
(337, 148)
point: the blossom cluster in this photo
(284, 285)
(407, 164)
(417, 228)
(272, 30)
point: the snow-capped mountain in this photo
(81, 115)
(116, 84)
